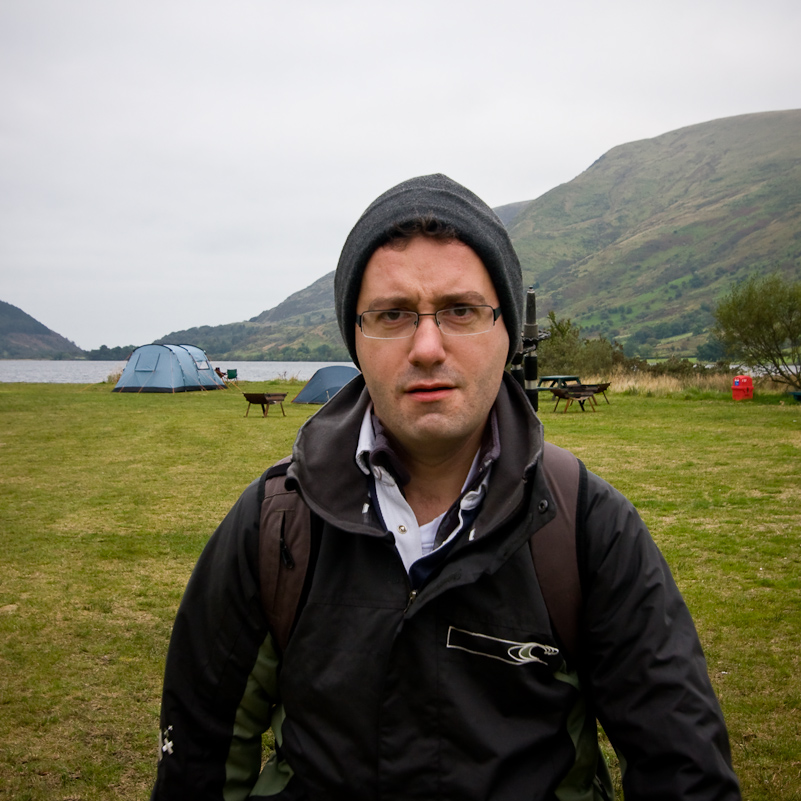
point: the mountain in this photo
(303, 327)
(639, 247)
(22, 337)
(643, 243)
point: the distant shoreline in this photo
(86, 371)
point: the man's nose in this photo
(427, 342)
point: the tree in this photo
(566, 351)
(711, 351)
(759, 321)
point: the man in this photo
(423, 663)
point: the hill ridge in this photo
(23, 337)
(663, 226)
(638, 247)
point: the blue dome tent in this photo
(168, 368)
(325, 383)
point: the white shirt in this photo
(412, 540)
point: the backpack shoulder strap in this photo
(554, 549)
(285, 545)
(285, 548)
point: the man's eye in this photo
(391, 316)
(460, 314)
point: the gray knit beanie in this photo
(440, 198)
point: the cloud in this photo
(165, 165)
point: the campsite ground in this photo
(107, 499)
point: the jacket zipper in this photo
(286, 554)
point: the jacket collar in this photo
(332, 485)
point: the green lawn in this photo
(107, 499)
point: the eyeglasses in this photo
(456, 321)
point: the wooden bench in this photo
(579, 394)
(598, 389)
(265, 400)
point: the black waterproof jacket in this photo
(460, 690)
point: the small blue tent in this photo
(325, 383)
(168, 368)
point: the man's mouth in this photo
(429, 391)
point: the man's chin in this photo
(438, 430)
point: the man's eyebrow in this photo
(467, 298)
(389, 302)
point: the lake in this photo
(42, 371)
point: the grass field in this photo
(107, 500)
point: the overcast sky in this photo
(166, 164)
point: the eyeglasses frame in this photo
(496, 313)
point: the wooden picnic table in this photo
(265, 400)
(580, 393)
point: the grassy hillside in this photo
(643, 243)
(303, 327)
(22, 337)
(638, 248)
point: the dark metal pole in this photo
(531, 336)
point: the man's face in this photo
(432, 392)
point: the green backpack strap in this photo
(554, 550)
(285, 548)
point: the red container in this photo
(742, 387)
